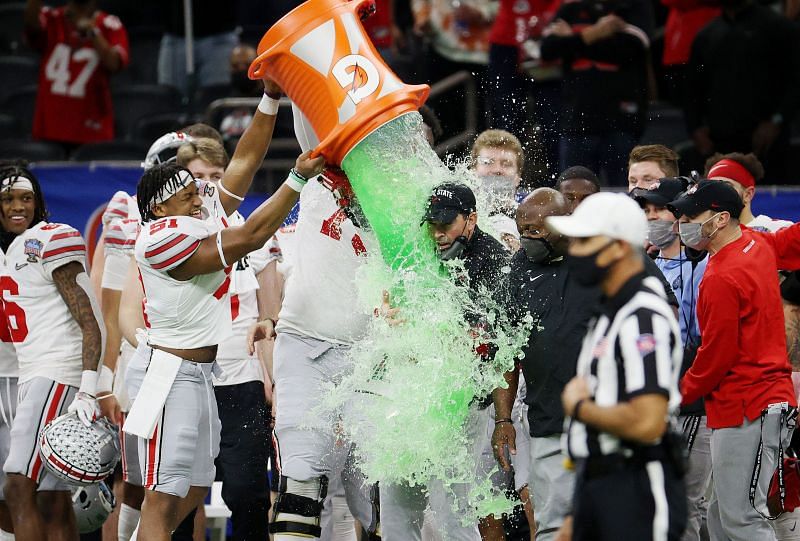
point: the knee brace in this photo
(374, 530)
(298, 507)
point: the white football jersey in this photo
(47, 338)
(320, 296)
(237, 365)
(181, 314)
(766, 224)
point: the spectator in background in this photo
(214, 27)
(459, 35)
(508, 94)
(604, 48)
(683, 272)
(742, 171)
(647, 164)
(576, 183)
(236, 121)
(384, 34)
(81, 47)
(497, 159)
(685, 19)
(744, 85)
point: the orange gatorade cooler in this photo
(322, 45)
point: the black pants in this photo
(243, 458)
(622, 505)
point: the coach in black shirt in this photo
(539, 284)
(627, 486)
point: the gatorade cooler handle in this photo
(362, 9)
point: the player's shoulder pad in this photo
(121, 234)
(60, 242)
(118, 208)
(171, 241)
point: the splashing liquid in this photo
(419, 384)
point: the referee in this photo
(627, 484)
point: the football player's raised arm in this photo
(229, 245)
(73, 286)
(250, 151)
(131, 315)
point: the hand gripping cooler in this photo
(323, 59)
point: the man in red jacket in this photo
(742, 368)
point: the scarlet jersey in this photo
(74, 99)
(181, 313)
(47, 338)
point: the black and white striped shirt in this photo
(632, 348)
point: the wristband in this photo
(109, 395)
(268, 106)
(577, 407)
(88, 382)
(105, 380)
(500, 421)
(295, 181)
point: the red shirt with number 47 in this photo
(73, 104)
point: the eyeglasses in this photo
(482, 160)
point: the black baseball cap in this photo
(661, 194)
(708, 195)
(447, 201)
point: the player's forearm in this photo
(260, 226)
(504, 398)
(247, 158)
(110, 307)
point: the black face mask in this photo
(456, 249)
(537, 250)
(584, 268)
(243, 84)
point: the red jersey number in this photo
(332, 227)
(15, 328)
(58, 72)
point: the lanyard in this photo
(786, 416)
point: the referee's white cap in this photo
(614, 215)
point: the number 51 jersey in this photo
(47, 338)
(181, 314)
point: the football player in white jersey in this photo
(9, 371)
(240, 393)
(184, 262)
(48, 304)
(318, 322)
(121, 224)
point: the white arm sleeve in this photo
(115, 269)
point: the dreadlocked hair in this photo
(153, 183)
(16, 169)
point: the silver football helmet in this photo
(92, 505)
(165, 148)
(79, 454)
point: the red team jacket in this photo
(742, 366)
(73, 103)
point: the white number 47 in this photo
(57, 70)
